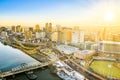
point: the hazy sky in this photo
(63, 12)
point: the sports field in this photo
(106, 68)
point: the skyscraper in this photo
(37, 27)
(31, 29)
(81, 36)
(46, 27)
(50, 27)
(13, 28)
(66, 35)
(19, 28)
(75, 36)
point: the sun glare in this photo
(109, 16)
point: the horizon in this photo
(62, 12)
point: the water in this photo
(46, 75)
(42, 74)
(11, 57)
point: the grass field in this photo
(106, 68)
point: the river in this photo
(11, 57)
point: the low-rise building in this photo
(67, 49)
(4, 35)
(84, 54)
(109, 47)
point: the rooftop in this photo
(69, 50)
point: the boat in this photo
(65, 72)
(31, 75)
(64, 76)
(73, 76)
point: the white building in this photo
(82, 36)
(75, 36)
(109, 47)
(40, 34)
(4, 35)
(67, 49)
(94, 47)
(88, 44)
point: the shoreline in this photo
(21, 49)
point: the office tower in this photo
(28, 35)
(75, 36)
(59, 28)
(46, 27)
(50, 27)
(19, 28)
(82, 36)
(31, 29)
(13, 28)
(116, 37)
(37, 28)
(103, 34)
(66, 35)
(54, 36)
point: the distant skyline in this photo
(61, 12)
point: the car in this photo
(31, 75)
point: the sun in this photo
(109, 16)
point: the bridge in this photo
(24, 68)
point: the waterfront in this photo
(11, 58)
(43, 74)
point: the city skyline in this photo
(63, 12)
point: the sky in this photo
(60, 12)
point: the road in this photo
(88, 74)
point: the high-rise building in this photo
(59, 28)
(94, 36)
(13, 28)
(37, 28)
(54, 36)
(50, 27)
(103, 36)
(28, 35)
(4, 35)
(46, 27)
(82, 36)
(19, 28)
(116, 37)
(31, 29)
(75, 36)
(66, 35)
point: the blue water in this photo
(11, 57)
